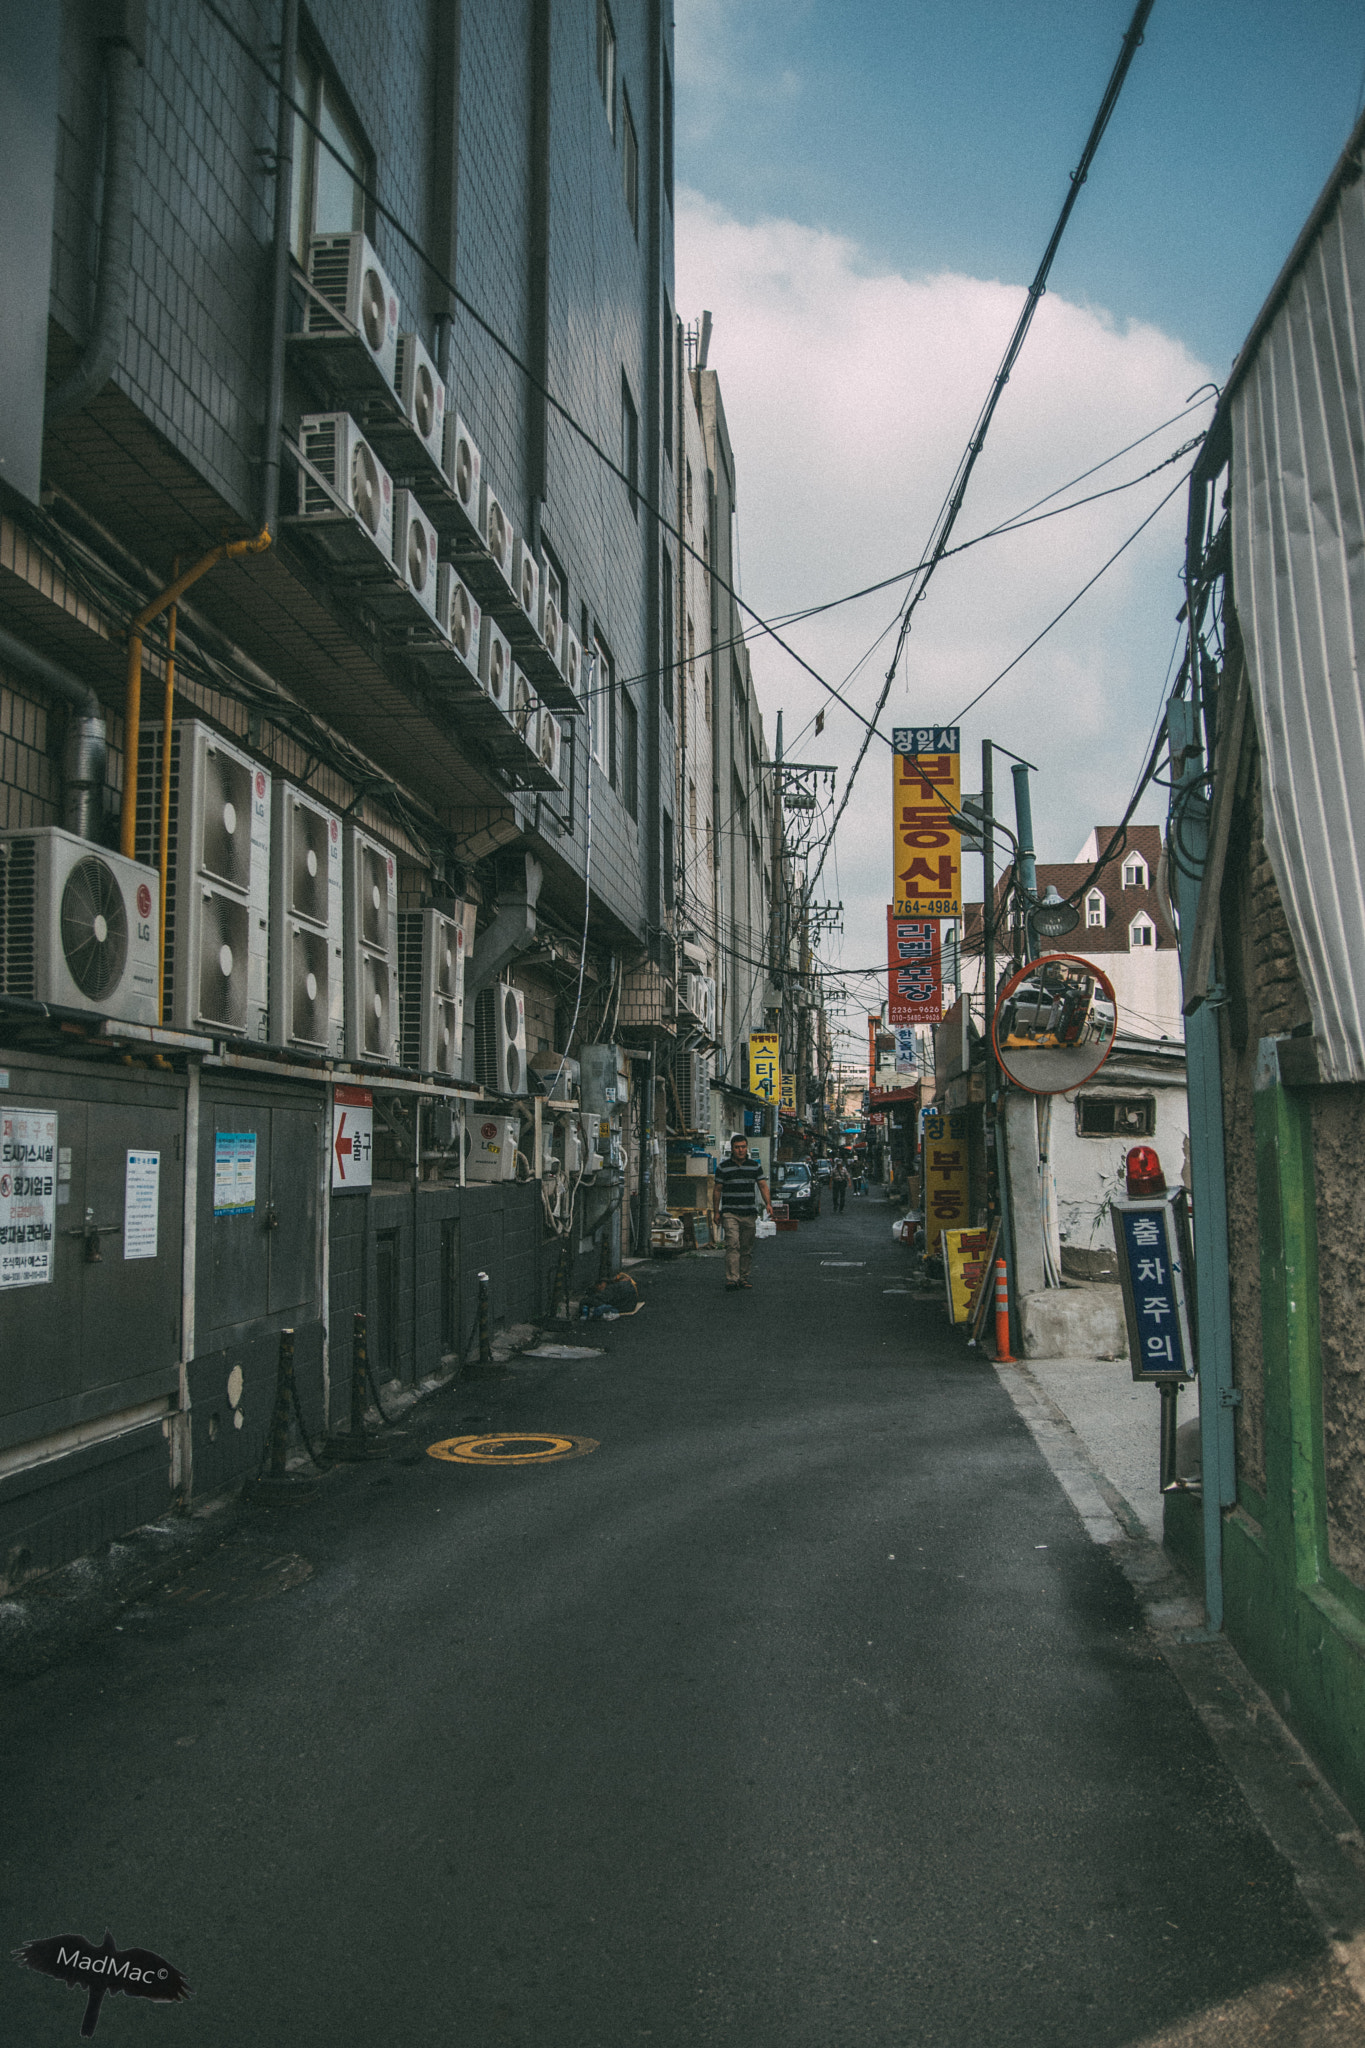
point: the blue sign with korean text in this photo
(1152, 1270)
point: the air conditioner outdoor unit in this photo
(217, 878)
(488, 567)
(371, 896)
(495, 666)
(344, 270)
(692, 1079)
(459, 615)
(78, 926)
(490, 1146)
(307, 930)
(336, 448)
(698, 992)
(571, 662)
(414, 551)
(500, 1040)
(463, 466)
(431, 991)
(550, 622)
(526, 588)
(547, 744)
(525, 704)
(421, 394)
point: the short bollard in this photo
(284, 1402)
(356, 1442)
(1002, 1315)
(360, 1359)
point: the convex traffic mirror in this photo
(1054, 1023)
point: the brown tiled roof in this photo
(1121, 905)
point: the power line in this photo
(958, 489)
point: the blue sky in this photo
(938, 134)
(864, 193)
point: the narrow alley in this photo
(801, 1710)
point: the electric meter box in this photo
(603, 1080)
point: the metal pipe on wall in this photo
(85, 751)
(163, 861)
(279, 297)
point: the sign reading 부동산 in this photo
(944, 1171)
(28, 1196)
(926, 795)
(915, 956)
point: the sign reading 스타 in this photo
(764, 1073)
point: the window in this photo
(706, 693)
(692, 807)
(1113, 1116)
(630, 163)
(689, 493)
(668, 652)
(599, 707)
(1135, 874)
(606, 62)
(1094, 910)
(630, 445)
(1142, 932)
(327, 198)
(630, 755)
(668, 132)
(669, 422)
(691, 650)
(668, 861)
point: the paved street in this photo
(801, 1712)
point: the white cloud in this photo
(850, 396)
(723, 62)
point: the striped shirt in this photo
(738, 1181)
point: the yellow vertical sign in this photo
(926, 792)
(944, 1172)
(764, 1074)
(789, 1092)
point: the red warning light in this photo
(1143, 1168)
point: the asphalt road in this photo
(799, 1713)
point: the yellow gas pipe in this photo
(226, 551)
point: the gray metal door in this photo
(295, 1170)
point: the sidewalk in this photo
(1118, 1421)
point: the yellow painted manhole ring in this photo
(535, 1449)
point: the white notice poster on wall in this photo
(28, 1196)
(141, 1185)
(234, 1173)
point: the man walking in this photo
(838, 1182)
(739, 1183)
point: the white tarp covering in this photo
(1298, 528)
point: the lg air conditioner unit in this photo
(459, 617)
(525, 704)
(344, 271)
(78, 926)
(421, 394)
(371, 901)
(486, 562)
(352, 518)
(526, 590)
(547, 744)
(571, 662)
(463, 466)
(217, 878)
(550, 620)
(500, 1040)
(495, 666)
(490, 1146)
(414, 551)
(307, 928)
(431, 992)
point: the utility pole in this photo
(779, 886)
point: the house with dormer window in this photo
(1126, 928)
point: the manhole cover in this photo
(525, 1449)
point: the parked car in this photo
(823, 1170)
(798, 1187)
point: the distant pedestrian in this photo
(739, 1185)
(838, 1181)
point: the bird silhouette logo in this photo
(102, 1968)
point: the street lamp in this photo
(1051, 917)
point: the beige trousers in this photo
(739, 1246)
